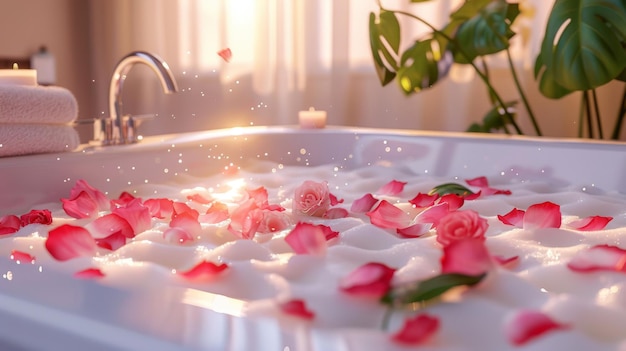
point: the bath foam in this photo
(264, 272)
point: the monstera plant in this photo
(584, 47)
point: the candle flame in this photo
(15, 66)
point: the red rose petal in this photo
(81, 206)
(101, 201)
(599, 258)
(124, 198)
(542, 215)
(480, 182)
(198, 198)
(181, 207)
(216, 213)
(110, 224)
(335, 213)
(307, 238)
(454, 201)
(422, 200)
(89, 273)
(527, 325)
(591, 223)
(297, 308)
(394, 187)
(203, 271)
(160, 208)
(414, 231)
(417, 330)
(506, 261)
(67, 241)
(226, 54)
(36, 216)
(363, 204)
(112, 242)
(371, 279)
(467, 256)
(9, 224)
(136, 214)
(333, 200)
(386, 215)
(22, 257)
(515, 217)
(433, 214)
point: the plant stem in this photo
(597, 110)
(521, 93)
(620, 117)
(460, 48)
(588, 114)
(387, 318)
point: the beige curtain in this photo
(289, 55)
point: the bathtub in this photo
(38, 310)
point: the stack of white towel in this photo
(37, 119)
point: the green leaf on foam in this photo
(450, 188)
(429, 289)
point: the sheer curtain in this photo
(289, 55)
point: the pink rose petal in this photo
(226, 54)
(454, 201)
(386, 215)
(181, 207)
(371, 280)
(101, 201)
(122, 200)
(507, 262)
(246, 219)
(599, 258)
(274, 221)
(467, 256)
(216, 213)
(364, 203)
(433, 214)
(177, 235)
(297, 308)
(67, 241)
(9, 224)
(458, 225)
(515, 217)
(311, 198)
(526, 325)
(198, 198)
(590, 223)
(136, 214)
(188, 222)
(417, 330)
(414, 231)
(483, 184)
(422, 200)
(160, 208)
(81, 206)
(89, 273)
(110, 224)
(307, 238)
(335, 213)
(334, 200)
(36, 216)
(22, 257)
(204, 271)
(260, 197)
(392, 188)
(542, 215)
(112, 242)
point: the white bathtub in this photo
(40, 310)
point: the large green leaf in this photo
(487, 32)
(426, 290)
(385, 44)
(583, 47)
(423, 64)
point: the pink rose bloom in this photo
(459, 225)
(312, 198)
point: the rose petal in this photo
(274, 221)
(542, 215)
(67, 241)
(203, 271)
(526, 325)
(459, 225)
(22, 257)
(81, 206)
(101, 201)
(414, 231)
(433, 214)
(160, 208)
(515, 217)
(364, 203)
(124, 198)
(392, 188)
(36, 216)
(422, 200)
(9, 224)
(483, 184)
(110, 224)
(417, 330)
(136, 214)
(468, 256)
(480, 182)
(506, 261)
(386, 215)
(297, 308)
(599, 258)
(216, 213)
(335, 213)
(260, 197)
(177, 235)
(245, 219)
(112, 242)
(188, 222)
(181, 207)
(590, 223)
(307, 238)
(333, 200)
(226, 54)
(311, 198)
(454, 201)
(198, 198)
(371, 280)
(89, 273)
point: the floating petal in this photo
(371, 279)
(297, 308)
(542, 215)
(526, 325)
(417, 330)
(67, 241)
(307, 238)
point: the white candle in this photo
(17, 76)
(312, 118)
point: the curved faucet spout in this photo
(157, 65)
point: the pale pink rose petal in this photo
(335, 213)
(298, 308)
(417, 330)
(599, 258)
(542, 215)
(9, 224)
(67, 241)
(460, 225)
(81, 206)
(433, 214)
(386, 215)
(483, 184)
(160, 208)
(334, 200)
(199, 198)
(260, 197)
(372, 279)
(507, 262)
(364, 203)
(181, 207)
(467, 256)
(112, 242)
(422, 200)
(226, 54)
(274, 221)
(526, 325)
(188, 222)
(311, 198)
(307, 238)
(454, 201)
(204, 271)
(21, 257)
(36, 216)
(392, 188)
(177, 235)
(109, 224)
(515, 217)
(479, 182)
(102, 202)
(89, 273)
(590, 223)
(136, 214)
(246, 219)
(414, 231)
(216, 213)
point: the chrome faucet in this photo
(119, 128)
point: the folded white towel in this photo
(24, 139)
(28, 104)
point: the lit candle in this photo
(312, 118)
(18, 76)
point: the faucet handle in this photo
(129, 127)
